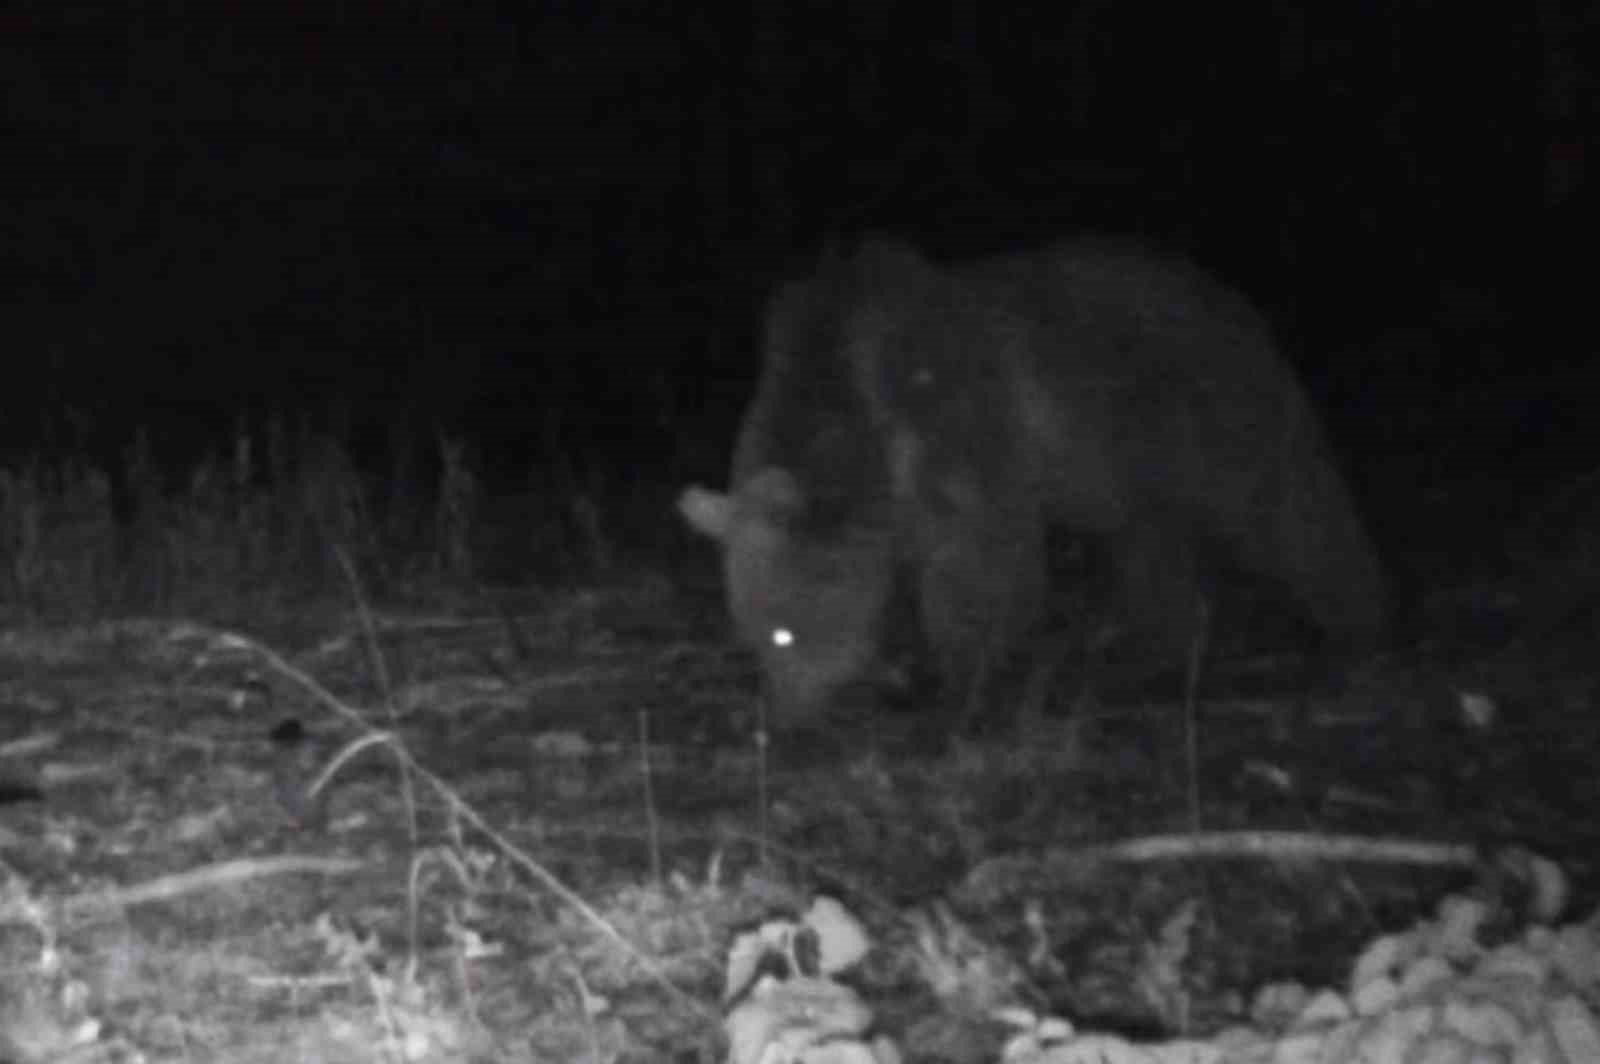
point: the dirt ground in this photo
(529, 829)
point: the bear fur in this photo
(921, 431)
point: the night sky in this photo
(548, 229)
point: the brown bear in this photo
(920, 431)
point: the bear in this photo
(921, 433)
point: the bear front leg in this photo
(979, 591)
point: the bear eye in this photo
(782, 637)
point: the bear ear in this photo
(773, 492)
(708, 512)
(769, 497)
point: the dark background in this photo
(547, 229)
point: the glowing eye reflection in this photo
(782, 637)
